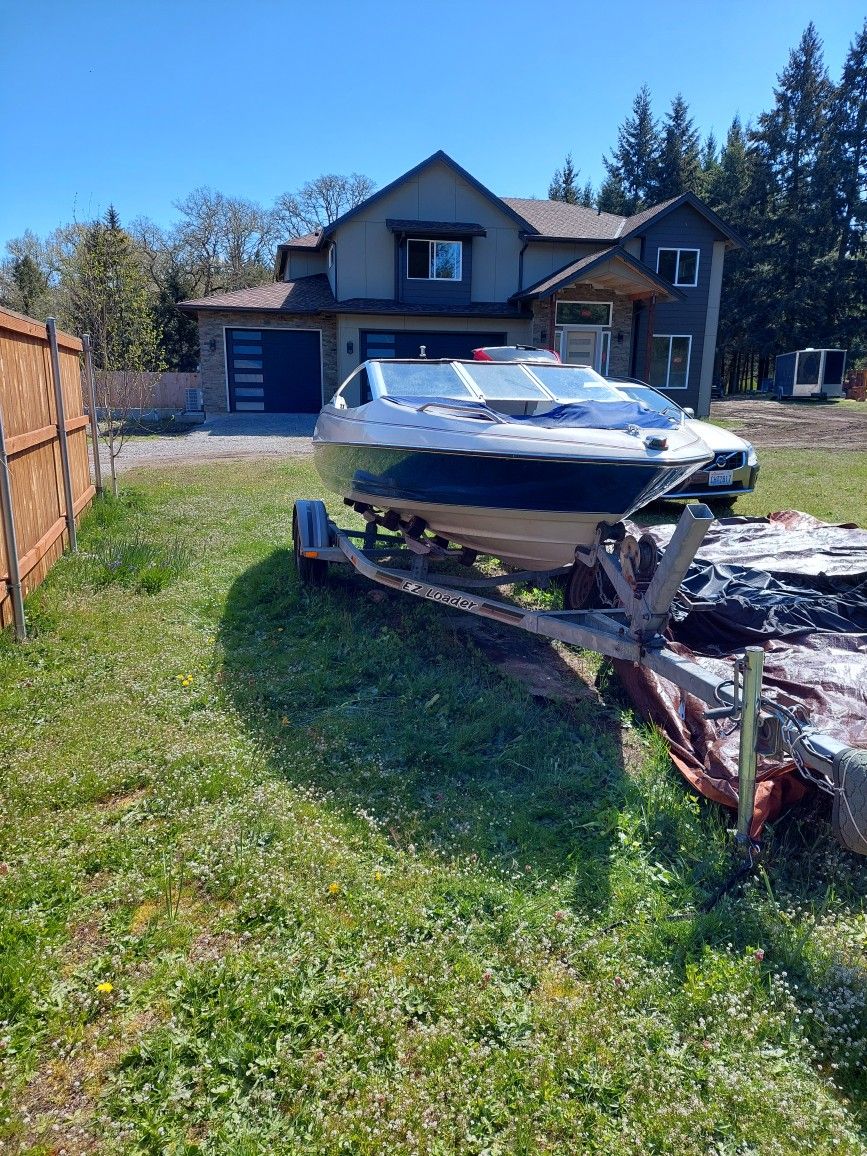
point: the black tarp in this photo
(798, 588)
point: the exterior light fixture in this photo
(350, 346)
(212, 345)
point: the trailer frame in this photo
(632, 630)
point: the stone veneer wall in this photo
(212, 365)
(621, 321)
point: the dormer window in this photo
(433, 260)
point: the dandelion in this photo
(333, 888)
(377, 875)
(105, 988)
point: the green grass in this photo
(293, 871)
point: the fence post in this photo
(94, 428)
(8, 519)
(51, 326)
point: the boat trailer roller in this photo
(641, 586)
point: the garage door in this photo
(274, 370)
(408, 343)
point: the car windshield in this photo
(649, 397)
(576, 383)
(422, 379)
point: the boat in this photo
(519, 461)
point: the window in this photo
(433, 260)
(679, 266)
(583, 313)
(331, 255)
(669, 362)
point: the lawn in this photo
(301, 872)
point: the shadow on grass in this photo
(388, 704)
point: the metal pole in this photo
(753, 668)
(94, 428)
(14, 579)
(51, 326)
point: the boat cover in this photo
(602, 415)
(798, 588)
(580, 415)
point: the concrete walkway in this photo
(223, 437)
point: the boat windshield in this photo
(498, 381)
(422, 379)
(576, 383)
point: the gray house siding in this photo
(542, 258)
(682, 229)
(300, 264)
(365, 244)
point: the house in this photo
(435, 264)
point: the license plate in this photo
(719, 478)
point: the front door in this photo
(585, 347)
(579, 347)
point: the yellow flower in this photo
(377, 875)
(333, 888)
(105, 988)
(212, 640)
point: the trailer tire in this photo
(580, 586)
(311, 571)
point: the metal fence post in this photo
(94, 428)
(51, 326)
(753, 668)
(8, 519)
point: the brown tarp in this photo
(797, 587)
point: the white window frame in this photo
(430, 242)
(579, 324)
(674, 337)
(331, 249)
(672, 249)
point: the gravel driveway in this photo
(223, 437)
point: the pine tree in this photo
(108, 298)
(564, 183)
(633, 165)
(586, 196)
(678, 168)
(794, 186)
(848, 148)
(612, 197)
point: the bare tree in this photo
(320, 202)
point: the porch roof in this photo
(614, 269)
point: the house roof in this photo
(313, 295)
(614, 269)
(306, 295)
(558, 219)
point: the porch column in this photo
(552, 316)
(648, 344)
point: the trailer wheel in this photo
(311, 571)
(580, 586)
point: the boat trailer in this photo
(640, 585)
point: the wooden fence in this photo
(44, 468)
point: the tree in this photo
(27, 283)
(108, 298)
(564, 183)
(678, 168)
(795, 191)
(848, 119)
(633, 165)
(319, 203)
(224, 242)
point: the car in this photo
(529, 353)
(735, 466)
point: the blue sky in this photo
(109, 101)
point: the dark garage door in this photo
(408, 343)
(274, 370)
